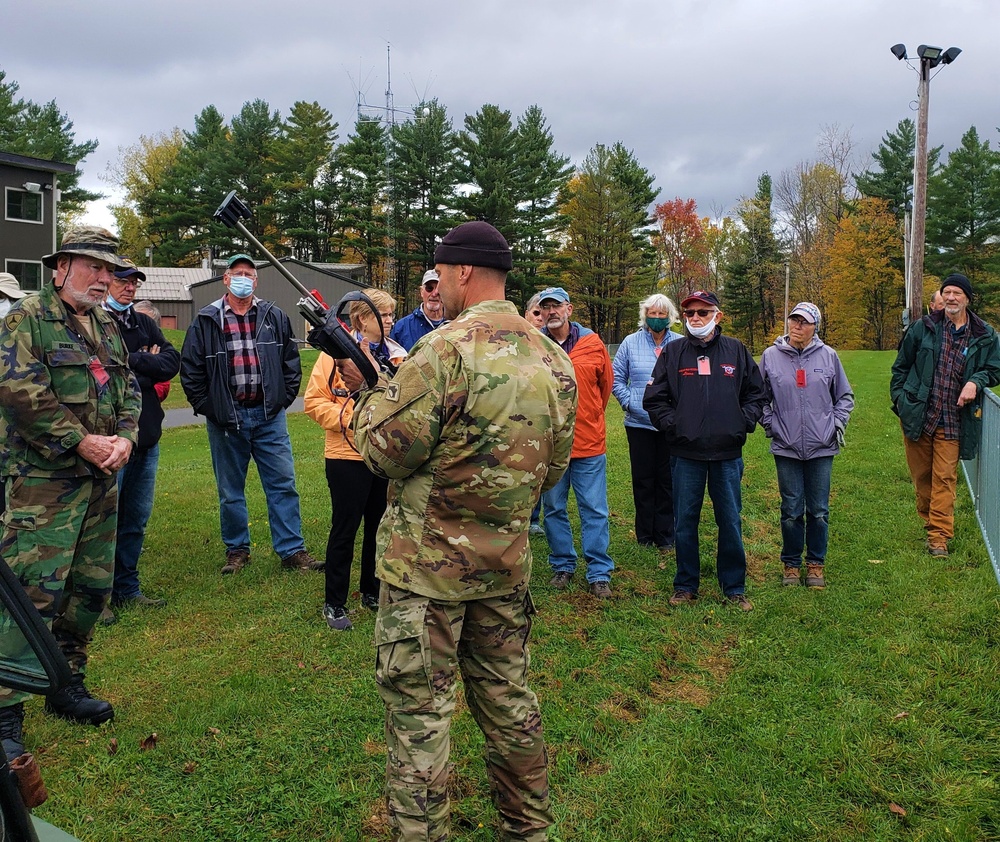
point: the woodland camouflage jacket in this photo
(471, 430)
(50, 397)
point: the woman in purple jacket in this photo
(809, 404)
(647, 446)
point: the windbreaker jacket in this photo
(411, 328)
(913, 376)
(593, 380)
(49, 396)
(205, 364)
(140, 332)
(330, 405)
(706, 417)
(802, 421)
(633, 369)
(476, 423)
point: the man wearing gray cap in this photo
(474, 425)
(426, 317)
(70, 407)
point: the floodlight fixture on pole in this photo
(930, 57)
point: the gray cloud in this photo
(707, 94)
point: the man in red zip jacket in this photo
(588, 470)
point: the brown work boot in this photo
(602, 590)
(739, 600)
(814, 576)
(236, 560)
(301, 560)
(938, 550)
(560, 580)
(792, 575)
(682, 598)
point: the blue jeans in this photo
(588, 477)
(267, 443)
(723, 479)
(136, 488)
(805, 508)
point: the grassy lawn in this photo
(870, 710)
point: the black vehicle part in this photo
(329, 332)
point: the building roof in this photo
(167, 284)
(29, 163)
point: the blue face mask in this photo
(656, 325)
(115, 305)
(241, 286)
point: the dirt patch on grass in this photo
(622, 708)
(695, 684)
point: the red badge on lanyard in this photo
(800, 378)
(704, 366)
(101, 376)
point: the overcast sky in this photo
(707, 93)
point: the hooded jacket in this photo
(411, 328)
(802, 421)
(706, 417)
(205, 364)
(913, 376)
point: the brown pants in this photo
(933, 464)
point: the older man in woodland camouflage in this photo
(470, 431)
(70, 408)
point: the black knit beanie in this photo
(475, 244)
(960, 281)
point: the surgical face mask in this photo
(116, 305)
(703, 331)
(656, 325)
(241, 286)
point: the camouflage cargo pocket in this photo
(403, 668)
(19, 545)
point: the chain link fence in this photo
(983, 477)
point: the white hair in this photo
(658, 301)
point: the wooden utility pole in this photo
(915, 291)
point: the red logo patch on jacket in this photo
(728, 369)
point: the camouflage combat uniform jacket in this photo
(49, 397)
(477, 422)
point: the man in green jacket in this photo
(945, 361)
(69, 406)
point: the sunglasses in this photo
(430, 286)
(536, 312)
(703, 313)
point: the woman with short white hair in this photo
(647, 446)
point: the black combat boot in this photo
(12, 730)
(75, 703)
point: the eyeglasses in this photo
(798, 320)
(387, 316)
(703, 313)
(128, 282)
(430, 286)
(242, 275)
(551, 305)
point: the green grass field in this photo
(870, 710)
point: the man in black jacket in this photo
(240, 369)
(153, 360)
(707, 395)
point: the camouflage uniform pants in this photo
(59, 539)
(421, 645)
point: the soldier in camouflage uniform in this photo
(473, 427)
(70, 408)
